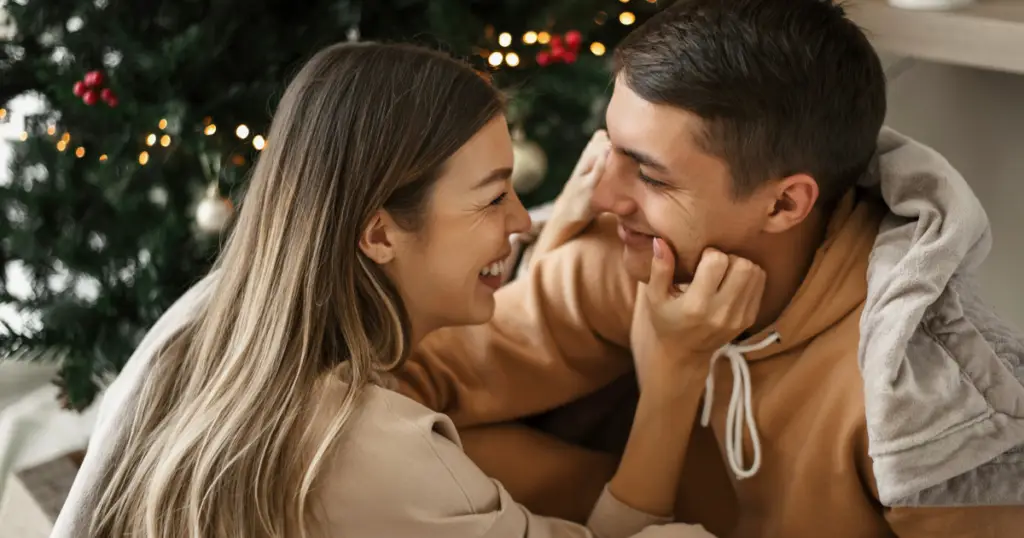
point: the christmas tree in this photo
(122, 183)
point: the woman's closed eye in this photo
(499, 199)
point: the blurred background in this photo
(127, 128)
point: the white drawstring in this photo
(740, 408)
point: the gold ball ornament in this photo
(530, 162)
(214, 211)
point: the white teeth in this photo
(493, 269)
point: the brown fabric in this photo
(565, 330)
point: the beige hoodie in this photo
(567, 329)
(398, 471)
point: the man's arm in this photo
(558, 333)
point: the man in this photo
(874, 396)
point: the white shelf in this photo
(987, 34)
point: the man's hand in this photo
(572, 212)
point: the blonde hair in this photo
(221, 442)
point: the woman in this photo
(258, 406)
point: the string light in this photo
(530, 37)
(505, 39)
(242, 131)
(543, 38)
(600, 18)
(494, 59)
(597, 48)
(624, 1)
(3, 113)
(627, 18)
(512, 59)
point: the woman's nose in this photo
(519, 217)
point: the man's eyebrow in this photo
(644, 159)
(499, 174)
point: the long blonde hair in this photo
(220, 443)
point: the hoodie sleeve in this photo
(558, 333)
(956, 522)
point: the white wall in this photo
(976, 119)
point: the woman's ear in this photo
(374, 241)
(795, 197)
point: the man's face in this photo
(659, 182)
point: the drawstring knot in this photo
(740, 408)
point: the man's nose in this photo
(611, 193)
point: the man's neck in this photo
(786, 258)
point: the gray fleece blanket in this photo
(942, 375)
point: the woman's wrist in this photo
(671, 378)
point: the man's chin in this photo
(638, 266)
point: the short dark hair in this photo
(783, 86)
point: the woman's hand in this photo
(691, 322)
(572, 212)
(688, 325)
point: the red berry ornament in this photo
(109, 97)
(573, 39)
(94, 79)
(562, 48)
(78, 89)
(90, 97)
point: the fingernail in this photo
(657, 248)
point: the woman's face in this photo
(447, 272)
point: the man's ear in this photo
(795, 197)
(374, 241)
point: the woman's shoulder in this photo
(396, 463)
